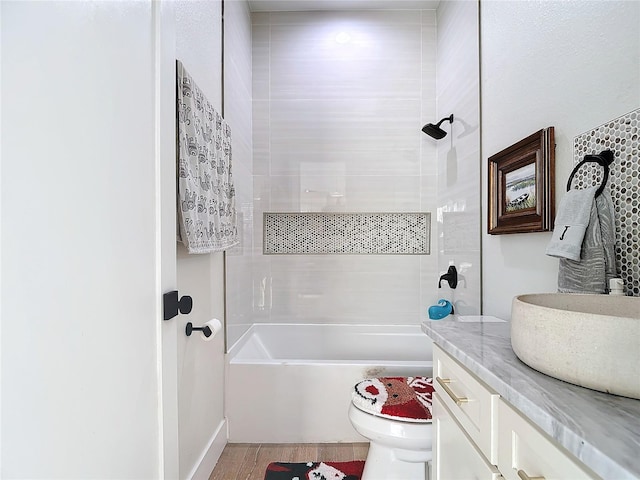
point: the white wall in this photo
(80, 231)
(458, 214)
(202, 433)
(332, 118)
(573, 65)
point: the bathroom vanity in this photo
(496, 418)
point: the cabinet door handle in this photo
(444, 384)
(523, 475)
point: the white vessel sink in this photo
(589, 340)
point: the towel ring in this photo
(604, 159)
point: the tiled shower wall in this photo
(339, 99)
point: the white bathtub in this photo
(292, 383)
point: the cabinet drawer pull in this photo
(444, 384)
(522, 474)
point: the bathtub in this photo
(291, 383)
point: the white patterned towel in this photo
(206, 196)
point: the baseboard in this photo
(202, 470)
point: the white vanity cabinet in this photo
(525, 453)
(479, 436)
(455, 455)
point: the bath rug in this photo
(315, 471)
(399, 398)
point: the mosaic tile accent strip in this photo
(347, 233)
(622, 136)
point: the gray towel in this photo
(571, 224)
(606, 216)
(591, 273)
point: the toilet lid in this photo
(399, 398)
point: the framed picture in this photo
(521, 186)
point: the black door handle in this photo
(172, 305)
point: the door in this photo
(164, 17)
(87, 241)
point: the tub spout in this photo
(451, 277)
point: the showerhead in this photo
(434, 130)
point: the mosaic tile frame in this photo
(313, 233)
(622, 136)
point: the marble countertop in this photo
(601, 430)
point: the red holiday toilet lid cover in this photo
(399, 398)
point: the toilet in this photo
(394, 414)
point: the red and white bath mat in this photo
(315, 471)
(399, 398)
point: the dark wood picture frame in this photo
(521, 186)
